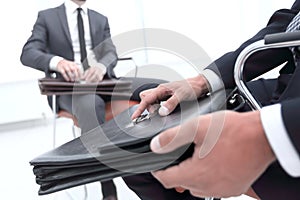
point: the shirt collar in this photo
(71, 7)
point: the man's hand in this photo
(93, 74)
(173, 93)
(69, 70)
(231, 152)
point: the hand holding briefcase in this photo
(117, 148)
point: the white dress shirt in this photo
(274, 129)
(71, 12)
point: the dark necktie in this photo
(294, 26)
(81, 39)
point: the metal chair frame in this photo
(271, 41)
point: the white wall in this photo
(217, 26)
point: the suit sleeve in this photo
(34, 53)
(259, 62)
(106, 51)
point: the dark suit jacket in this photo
(287, 92)
(51, 37)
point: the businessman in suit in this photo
(260, 149)
(54, 46)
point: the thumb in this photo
(175, 137)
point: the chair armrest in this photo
(271, 41)
(282, 37)
(133, 62)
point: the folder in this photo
(107, 87)
(117, 148)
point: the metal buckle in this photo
(144, 117)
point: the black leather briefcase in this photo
(106, 87)
(117, 148)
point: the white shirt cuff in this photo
(215, 82)
(54, 62)
(279, 139)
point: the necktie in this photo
(295, 24)
(81, 39)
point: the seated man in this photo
(236, 151)
(59, 44)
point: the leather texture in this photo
(117, 148)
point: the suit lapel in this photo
(64, 23)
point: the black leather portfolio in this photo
(118, 148)
(108, 87)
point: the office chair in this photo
(271, 41)
(112, 109)
(241, 95)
